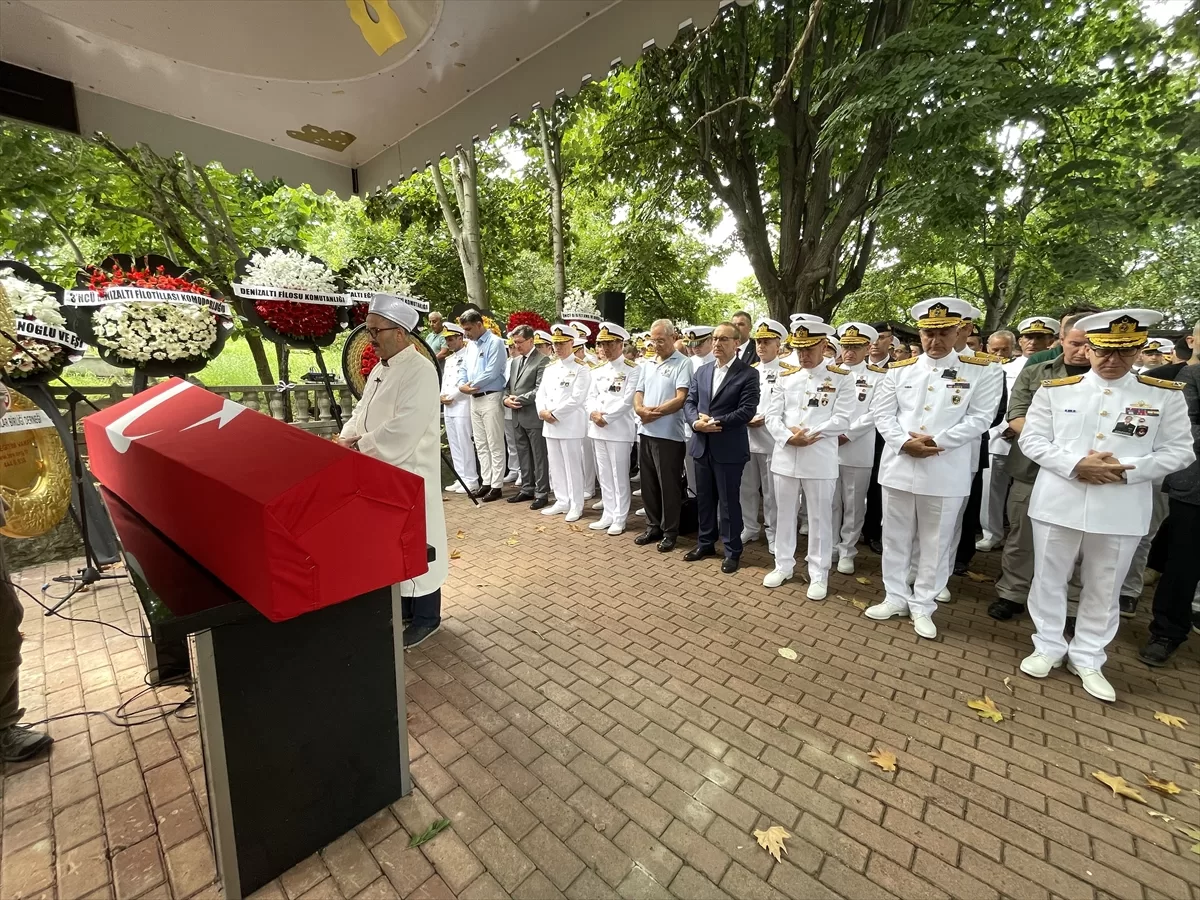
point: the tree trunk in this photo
(463, 223)
(552, 150)
(259, 353)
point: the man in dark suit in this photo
(520, 396)
(721, 400)
(747, 352)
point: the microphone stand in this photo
(90, 574)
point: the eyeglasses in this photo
(376, 332)
(1123, 352)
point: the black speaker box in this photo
(612, 306)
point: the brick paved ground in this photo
(599, 720)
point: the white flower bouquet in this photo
(375, 276)
(46, 345)
(293, 297)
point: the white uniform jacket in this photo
(769, 373)
(397, 421)
(611, 394)
(821, 400)
(1139, 420)
(998, 446)
(860, 451)
(951, 399)
(563, 389)
(454, 373)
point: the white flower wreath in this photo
(289, 269)
(381, 276)
(155, 332)
(32, 301)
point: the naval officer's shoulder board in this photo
(1161, 383)
(903, 362)
(836, 369)
(1059, 382)
(977, 360)
(882, 369)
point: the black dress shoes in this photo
(876, 546)
(493, 494)
(698, 554)
(1003, 610)
(960, 569)
(666, 545)
(648, 537)
(730, 565)
(540, 503)
(520, 498)
(483, 491)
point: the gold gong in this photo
(35, 477)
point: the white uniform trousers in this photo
(1135, 578)
(1105, 559)
(487, 427)
(612, 465)
(757, 477)
(818, 499)
(589, 464)
(565, 459)
(850, 508)
(510, 441)
(996, 482)
(920, 526)
(462, 451)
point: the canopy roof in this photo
(293, 89)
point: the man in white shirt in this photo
(931, 412)
(768, 337)
(856, 446)
(1102, 439)
(611, 426)
(560, 399)
(1034, 335)
(456, 407)
(807, 413)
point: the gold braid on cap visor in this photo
(1120, 334)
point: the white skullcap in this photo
(395, 309)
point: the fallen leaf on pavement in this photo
(1119, 786)
(541, 529)
(1155, 814)
(1188, 831)
(772, 840)
(1009, 686)
(429, 833)
(862, 580)
(1163, 787)
(986, 708)
(1168, 719)
(575, 527)
(858, 604)
(788, 653)
(980, 578)
(885, 759)
(455, 554)
(460, 534)
(512, 542)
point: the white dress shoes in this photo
(924, 627)
(885, 610)
(555, 510)
(1094, 682)
(817, 591)
(775, 578)
(943, 595)
(574, 515)
(846, 566)
(616, 528)
(599, 504)
(601, 525)
(986, 546)
(1039, 665)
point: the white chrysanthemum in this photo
(578, 303)
(155, 331)
(31, 300)
(380, 276)
(289, 269)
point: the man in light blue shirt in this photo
(485, 385)
(658, 404)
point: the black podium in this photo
(302, 722)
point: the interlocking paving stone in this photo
(626, 741)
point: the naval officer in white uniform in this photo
(856, 446)
(1102, 439)
(456, 407)
(931, 411)
(611, 428)
(397, 421)
(811, 408)
(768, 336)
(560, 399)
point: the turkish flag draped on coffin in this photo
(289, 521)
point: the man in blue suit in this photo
(721, 400)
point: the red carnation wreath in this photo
(527, 317)
(369, 360)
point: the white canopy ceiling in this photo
(246, 82)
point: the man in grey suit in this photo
(523, 380)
